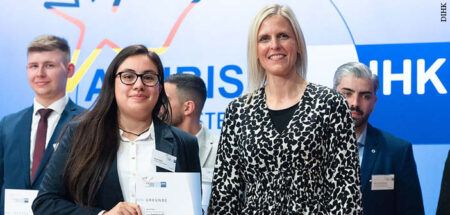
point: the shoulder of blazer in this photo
(162, 130)
(10, 123)
(17, 116)
(386, 138)
(169, 132)
(71, 106)
(69, 129)
(186, 137)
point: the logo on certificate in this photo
(151, 182)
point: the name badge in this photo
(164, 160)
(383, 182)
(207, 175)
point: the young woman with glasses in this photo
(101, 155)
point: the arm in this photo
(407, 185)
(227, 184)
(342, 180)
(52, 197)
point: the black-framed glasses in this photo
(129, 78)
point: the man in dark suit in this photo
(28, 137)
(444, 197)
(389, 180)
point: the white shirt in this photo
(52, 120)
(134, 159)
(207, 146)
(361, 143)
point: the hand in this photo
(125, 208)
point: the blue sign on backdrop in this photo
(413, 92)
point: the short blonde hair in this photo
(255, 70)
(45, 43)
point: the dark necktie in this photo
(39, 146)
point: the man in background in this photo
(389, 180)
(187, 96)
(28, 137)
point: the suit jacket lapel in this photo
(23, 142)
(205, 146)
(205, 149)
(66, 116)
(164, 140)
(115, 190)
(370, 156)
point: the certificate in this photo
(18, 202)
(169, 194)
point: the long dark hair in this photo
(96, 139)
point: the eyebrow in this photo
(348, 89)
(259, 36)
(36, 62)
(367, 92)
(363, 92)
(145, 71)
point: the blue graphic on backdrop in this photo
(414, 84)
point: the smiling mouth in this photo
(277, 56)
(139, 96)
(41, 83)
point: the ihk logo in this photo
(423, 75)
(444, 12)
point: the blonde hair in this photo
(256, 73)
(45, 43)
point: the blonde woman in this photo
(288, 147)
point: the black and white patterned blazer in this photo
(311, 167)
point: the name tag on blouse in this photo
(164, 160)
(383, 182)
